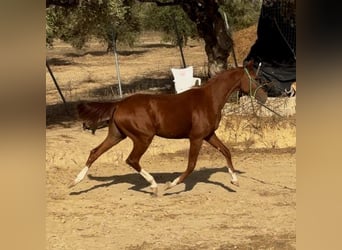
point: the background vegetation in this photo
(97, 19)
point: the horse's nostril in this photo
(262, 98)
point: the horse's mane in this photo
(223, 74)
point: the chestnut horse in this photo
(194, 114)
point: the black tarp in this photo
(275, 46)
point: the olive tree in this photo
(95, 17)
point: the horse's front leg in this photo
(214, 141)
(195, 146)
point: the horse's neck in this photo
(221, 88)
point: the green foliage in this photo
(97, 18)
(94, 18)
(164, 18)
(241, 13)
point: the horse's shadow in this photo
(139, 184)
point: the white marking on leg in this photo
(175, 182)
(80, 176)
(234, 177)
(171, 184)
(149, 178)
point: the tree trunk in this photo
(211, 27)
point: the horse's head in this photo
(250, 86)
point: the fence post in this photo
(116, 61)
(230, 34)
(56, 84)
(179, 41)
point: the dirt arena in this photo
(113, 207)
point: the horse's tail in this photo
(96, 111)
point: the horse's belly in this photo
(172, 135)
(174, 131)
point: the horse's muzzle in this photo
(261, 96)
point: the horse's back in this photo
(167, 116)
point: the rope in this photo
(250, 84)
(268, 183)
(252, 95)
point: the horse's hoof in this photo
(235, 183)
(167, 185)
(72, 184)
(154, 191)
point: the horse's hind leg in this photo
(139, 148)
(195, 146)
(113, 138)
(214, 141)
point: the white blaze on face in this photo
(149, 178)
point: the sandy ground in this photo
(113, 207)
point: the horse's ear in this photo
(249, 64)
